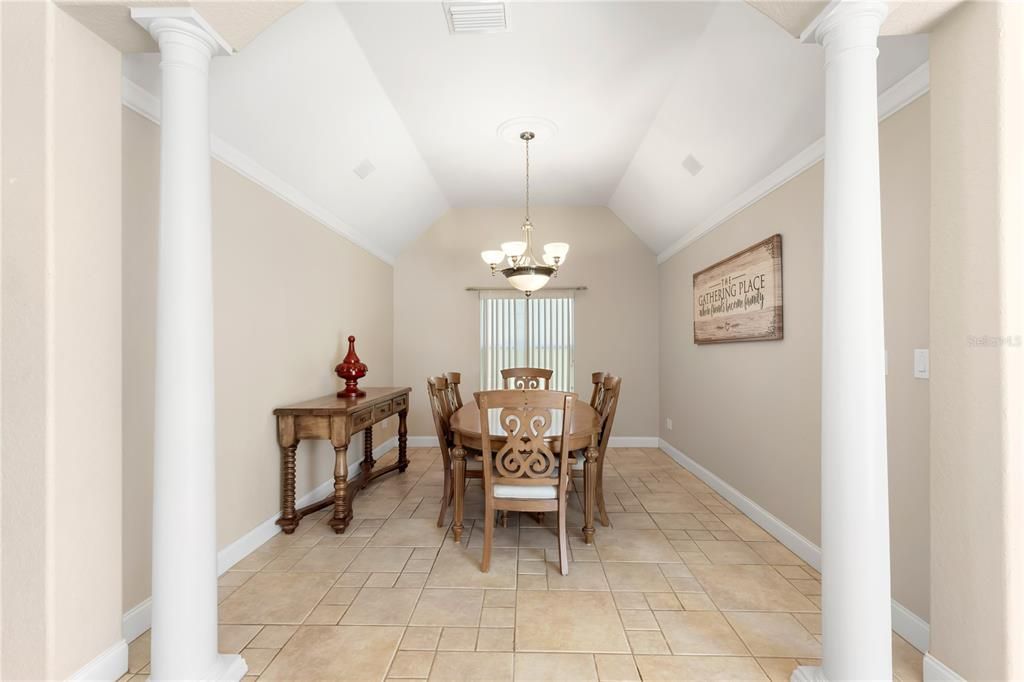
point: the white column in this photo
(856, 602)
(184, 637)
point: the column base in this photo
(228, 668)
(807, 673)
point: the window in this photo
(516, 331)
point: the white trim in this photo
(937, 671)
(905, 91)
(110, 665)
(422, 442)
(905, 622)
(144, 103)
(634, 442)
(137, 619)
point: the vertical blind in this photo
(516, 331)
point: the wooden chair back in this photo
(439, 395)
(609, 402)
(597, 378)
(525, 458)
(454, 379)
(527, 378)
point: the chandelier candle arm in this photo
(526, 272)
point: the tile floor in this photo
(682, 586)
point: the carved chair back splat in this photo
(527, 378)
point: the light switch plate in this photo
(920, 363)
(668, 423)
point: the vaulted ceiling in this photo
(633, 89)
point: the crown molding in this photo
(902, 93)
(144, 103)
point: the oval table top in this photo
(465, 423)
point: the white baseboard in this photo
(937, 671)
(905, 622)
(110, 665)
(137, 619)
(422, 442)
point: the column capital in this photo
(858, 21)
(161, 22)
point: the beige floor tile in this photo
(233, 638)
(258, 659)
(810, 621)
(680, 502)
(382, 580)
(325, 614)
(351, 579)
(750, 588)
(496, 639)
(699, 633)
(411, 579)
(568, 621)
(409, 533)
(500, 598)
(381, 559)
(675, 570)
(531, 567)
(562, 667)
(138, 652)
(469, 666)
(338, 652)
(807, 587)
(774, 634)
(381, 606)
(411, 664)
(503, 537)
(630, 600)
(647, 642)
(792, 572)
(420, 638)
(775, 553)
(729, 552)
(696, 601)
(663, 601)
(680, 668)
(907, 661)
(634, 545)
(631, 521)
(276, 598)
(684, 522)
(273, 636)
(745, 528)
(340, 596)
(582, 576)
(498, 617)
(637, 619)
(533, 582)
(234, 578)
(545, 538)
(616, 668)
(778, 669)
(623, 577)
(458, 567)
(326, 560)
(457, 639)
(448, 607)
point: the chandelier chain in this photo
(527, 179)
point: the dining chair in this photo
(597, 378)
(606, 407)
(526, 473)
(443, 396)
(527, 377)
(454, 379)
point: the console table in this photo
(336, 419)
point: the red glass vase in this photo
(351, 369)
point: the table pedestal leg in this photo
(590, 493)
(342, 508)
(367, 464)
(459, 467)
(403, 440)
(289, 519)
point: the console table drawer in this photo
(361, 420)
(381, 410)
(400, 403)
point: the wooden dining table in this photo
(584, 433)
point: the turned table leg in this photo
(403, 440)
(342, 508)
(459, 467)
(367, 464)
(288, 442)
(590, 492)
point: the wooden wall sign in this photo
(740, 298)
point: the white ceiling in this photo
(633, 88)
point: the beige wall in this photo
(61, 344)
(287, 291)
(977, 281)
(437, 322)
(750, 412)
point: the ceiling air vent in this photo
(476, 17)
(692, 165)
(364, 168)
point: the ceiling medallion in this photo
(525, 272)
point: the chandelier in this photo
(525, 272)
